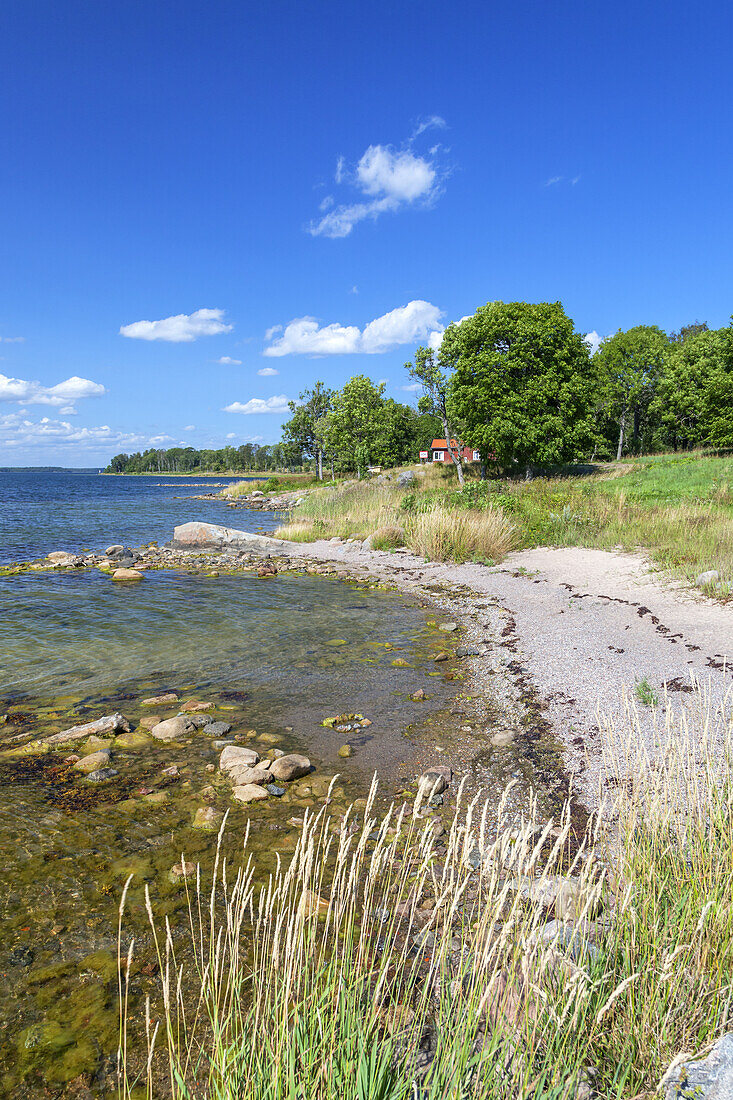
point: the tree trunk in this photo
(622, 428)
(456, 458)
(320, 464)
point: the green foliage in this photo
(645, 693)
(305, 431)
(522, 387)
(187, 460)
(630, 366)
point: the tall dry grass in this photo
(440, 534)
(385, 961)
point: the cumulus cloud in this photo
(436, 338)
(181, 329)
(405, 325)
(388, 179)
(62, 396)
(256, 405)
(267, 372)
(18, 431)
(594, 341)
(227, 361)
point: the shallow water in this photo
(42, 510)
(274, 658)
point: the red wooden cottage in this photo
(439, 452)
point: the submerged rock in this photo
(160, 700)
(137, 739)
(290, 767)
(92, 762)
(111, 723)
(207, 819)
(172, 728)
(217, 729)
(101, 774)
(181, 871)
(127, 575)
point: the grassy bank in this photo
(389, 960)
(678, 508)
(280, 483)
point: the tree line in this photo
(517, 382)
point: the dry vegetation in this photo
(387, 962)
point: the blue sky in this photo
(313, 188)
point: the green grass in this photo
(323, 984)
(645, 693)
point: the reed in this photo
(386, 961)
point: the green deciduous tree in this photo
(434, 400)
(355, 424)
(630, 366)
(693, 371)
(306, 428)
(522, 387)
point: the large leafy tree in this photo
(355, 424)
(717, 411)
(692, 373)
(522, 388)
(630, 365)
(434, 401)
(306, 427)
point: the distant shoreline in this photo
(189, 473)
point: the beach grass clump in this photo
(515, 956)
(239, 489)
(442, 534)
(388, 538)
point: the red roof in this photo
(441, 444)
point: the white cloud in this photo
(405, 325)
(436, 338)
(183, 328)
(267, 372)
(61, 396)
(12, 339)
(227, 361)
(388, 178)
(17, 431)
(554, 180)
(594, 341)
(231, 435)
(415, 387)
(433, 122)
(190, 428)
(260, 405)
(273, 331)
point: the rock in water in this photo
(249, 792)
(207, 819)
(111, 723)
(101, 774)
(160, 700)
(189, 536)
(217, 729)
(290, 767)
(172, 728)
(127, 575)
(181, 871)
(434, 781)
(259, 775)
(708, 1078)
(61, 557)
(238, 756)
(92, 762)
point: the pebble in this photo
(238, 756)
(346, 751)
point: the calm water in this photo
(273, 658)
(74, 510)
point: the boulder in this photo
(290, 767)
(237, 756)
(111, 723)
(196, 536)
(127, 575)
(116, 551)
(705, 1078)
(148, 721)
(249, 792)
(61, 557)
(92, 762)
(195, 705)
(710, 576)
(406, 479)
(172, 728)
(242, 775)
(434, 781)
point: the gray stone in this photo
(101, 774)
(111, 723)
(249, 792)
(708, 1078)
(434, 781)
(116, 551)
(276, 791)
(405, 479)
(238, 756)
(258, 775)
(203, 722)
(172, 728)
(448, 627)
(217, 729)
(709, 577)
(290, 767)
(92, 762)
(196, 535)
(222, 743)
(468, 651)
